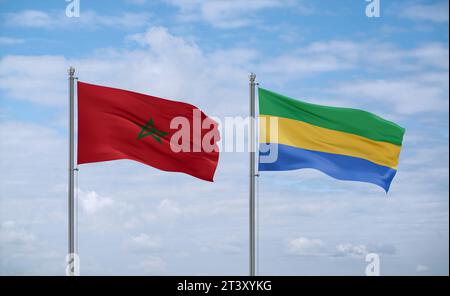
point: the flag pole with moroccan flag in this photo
(116, 124)
(72, 257)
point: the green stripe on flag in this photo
(347, 120)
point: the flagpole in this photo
(252, 232)
(71, 201)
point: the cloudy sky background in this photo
(134, 219)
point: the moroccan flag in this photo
(347, 144)
(168, 135)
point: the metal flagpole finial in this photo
(252, 77)
(71, 71)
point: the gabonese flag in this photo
(168, 135)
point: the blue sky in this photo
(133, 220)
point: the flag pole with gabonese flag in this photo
(344, 143)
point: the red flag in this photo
(168, 135)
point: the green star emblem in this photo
(149, 130)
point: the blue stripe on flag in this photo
(338, 166)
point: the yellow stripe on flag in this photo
(307, 136)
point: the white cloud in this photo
(87, 19)
(19, 246)
(422, 93)
(124, 20)
(315, 58)
(306, 246)
(91, 202)
(136, 2)
(424, 88)
(170, 66)
(165, 44)
(145, 242)
(435, 12)
(225, 14)
(422, 268)
(228, 245)
(294, 65)
(388, 249)
(342, 55)
(10, 40)
(351, 250)
(166, 66)
(431, 54)
(29, 18)
(233, 14)
(41, 73)
(316, 247)
(22, 253)
(10, 233)
(151, 264)
(168, 209)
(20, 163)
